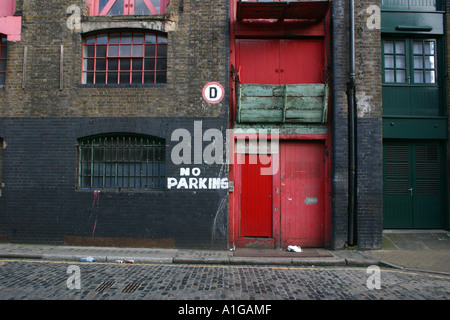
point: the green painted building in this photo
(414, 114)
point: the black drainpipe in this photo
(351, 131)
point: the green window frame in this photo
(410, 61)
(411, 5)
(121, 161)
(394, 62)
(424, 61)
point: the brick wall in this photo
(368, 127)
(339, 135)
(196, 54)
(40, 123)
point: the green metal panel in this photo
(397, 204)
(425, 101)
(431, 23)
(413, 184)
(298, 103)
(416, 5)
(396, 100)
(413, 128)
(428, 200)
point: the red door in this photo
(256, 199)
(259, 61)
(302, 61)
(276, 61)
(302, 207)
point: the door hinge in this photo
(230, 186)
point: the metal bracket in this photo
(230, 186)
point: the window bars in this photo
(121, 162)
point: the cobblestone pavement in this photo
(42, 280)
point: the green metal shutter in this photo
(414, 188)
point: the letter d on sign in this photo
(374, 281)
(213, 92)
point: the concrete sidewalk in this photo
(419, 250)
(178, 256)
(424, 250)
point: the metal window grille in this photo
(124, 58)
(126, 7)
(125, 161)
(2, 60)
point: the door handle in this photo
(411, 191)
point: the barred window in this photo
(2, 60)
(127, 161)
(124, 58)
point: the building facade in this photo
(414, 115)
(280, 58)
(103, 124)
(218, 124)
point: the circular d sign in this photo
(213, 92)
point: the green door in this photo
(413, 191)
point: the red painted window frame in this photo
(7, 8)
(128, 9)
(3, 58)
(99, 65)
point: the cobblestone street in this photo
(42, 280)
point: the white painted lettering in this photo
(202, 183)
(196, 172)
(171, 182)
(193, 183)
(182, 183)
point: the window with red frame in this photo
(124, 58)
(2, 60)
(126, 7)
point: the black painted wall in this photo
(40, 202)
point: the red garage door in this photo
(296, 193)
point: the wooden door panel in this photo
(258, 61)
(302, 61)
(302, 193)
